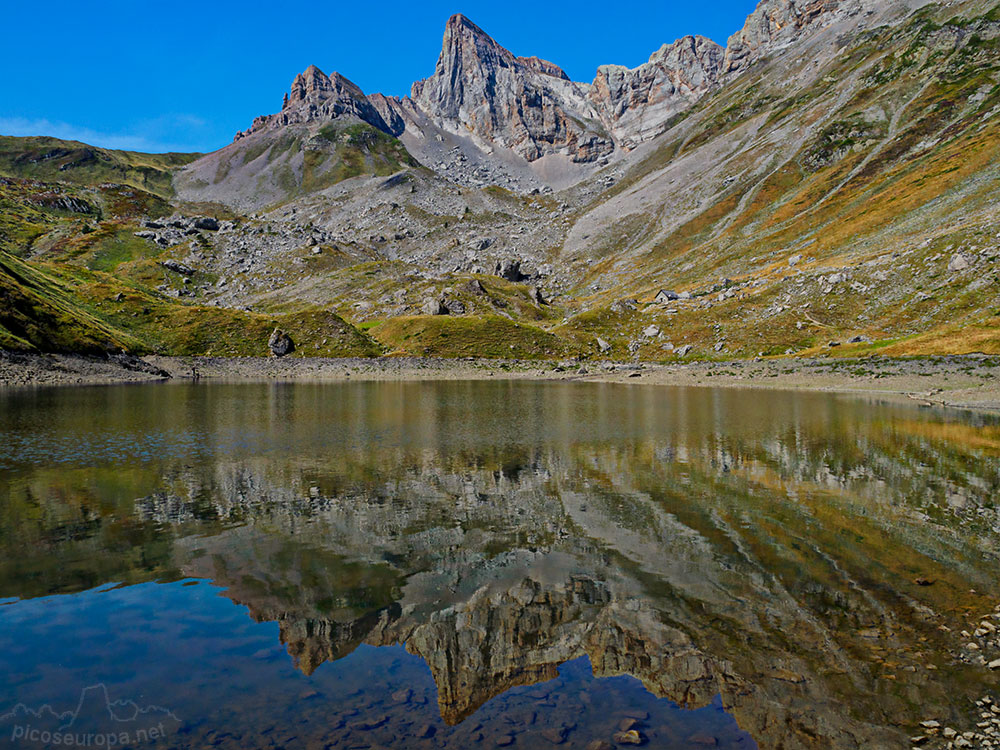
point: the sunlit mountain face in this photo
(442, 564)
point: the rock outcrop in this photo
(315, 96)
(637, 103)
(773, 25)
(525, 104)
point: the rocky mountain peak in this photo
(636, 103)
(526, 104)
(314, 97)
(467, 54)
(773, 25)
(313, 85)
(486, 96)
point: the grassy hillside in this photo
(53, 159)
(35, 214)
(468, 336)
(63, 308)
(863, 203)
(39, 312)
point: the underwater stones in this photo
(631, 737)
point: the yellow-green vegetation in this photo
(67, 308)
(52, 159)
(359, 149)
(468, 336)
(39, 313)
(37, 214)
(892, 183)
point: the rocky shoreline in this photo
(963, 381)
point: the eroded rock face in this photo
(773, 24)
(636, 103)
(315, 96)
(525, 104)
(530, 106)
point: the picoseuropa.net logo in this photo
(97, 721)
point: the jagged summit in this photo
(549, 129)
(636, 103)
(314, 85)
(315, 96)
(526, 105)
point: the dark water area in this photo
(489, 564)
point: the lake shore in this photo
(965, 381)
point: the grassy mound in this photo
(467, 336)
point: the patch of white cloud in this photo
(181, 132)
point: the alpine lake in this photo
(480, 564)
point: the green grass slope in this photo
(38, 313)
(821, 212)
(53, 159)
(62, 308)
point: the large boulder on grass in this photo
(280, 343)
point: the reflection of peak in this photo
(312, 642)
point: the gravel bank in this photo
(967, 381)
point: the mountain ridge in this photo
(531, 107)
(830, 195)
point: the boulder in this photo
(173, 265)
(434, 306)
(603, 345)
(651, 332)
(958, 262)
(682, 351)
(510, 270)
(206, 222)
(453, 306)
(280, 343)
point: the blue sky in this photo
(185, 76)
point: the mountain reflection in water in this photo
(750, 551)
